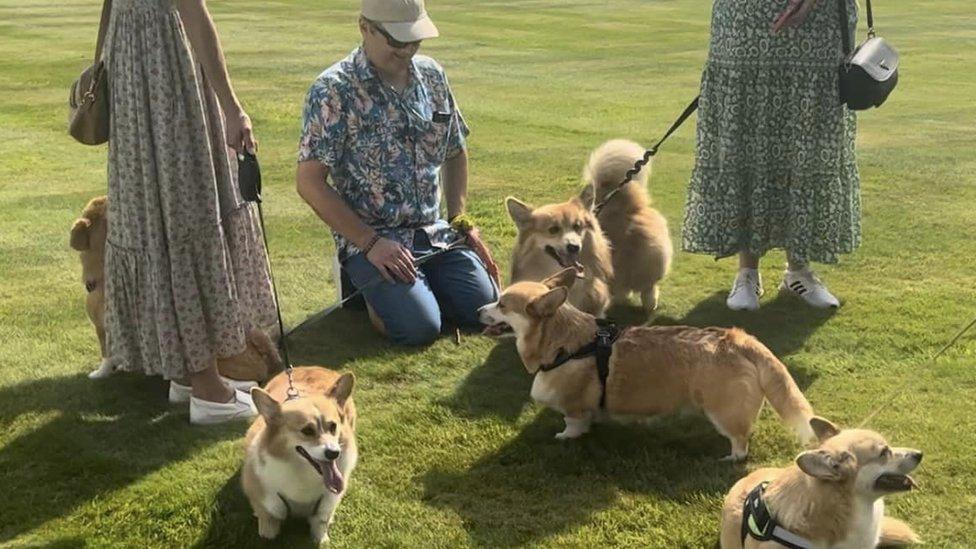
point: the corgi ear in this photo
(342, 388)
(520, 212)
(268, 407)
(823, 465)
(823, 428)
(564, 278)
(586, 197)
(79, 234)
(546, 304)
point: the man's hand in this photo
(794, 15)
(479, 247)
(393, 261)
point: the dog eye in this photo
(554, 229)
(330, 427)
(308, 431)
(577, 226)
(886, 452)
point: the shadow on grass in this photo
(536, 486)
(94, 437)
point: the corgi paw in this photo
(320, 532)
(268, 527)
(734, 458)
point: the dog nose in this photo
(331, 454)
(572, 248)
(917, 456)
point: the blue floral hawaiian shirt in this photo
(384, 149)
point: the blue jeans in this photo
(453, 285)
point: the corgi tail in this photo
(609, 163)
(896, 533)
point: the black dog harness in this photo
(601, 347)
(760, 524)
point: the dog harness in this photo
(760, 524)
(601, 347)
(301, 507)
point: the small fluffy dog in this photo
(726, 373)
(833, 496)
(88, 235)
(556, 236)
(299, 454)
(637, 232)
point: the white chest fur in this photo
(865, 526)
(294, 480)
(544, 392)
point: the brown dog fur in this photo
(323, 417)
(638, 234)
(88, 236)
(560, 226)
(828, 495)
(653, 370)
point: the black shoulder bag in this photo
(870, 72)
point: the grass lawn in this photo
(453, 452)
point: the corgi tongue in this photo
(332, 477)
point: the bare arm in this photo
(454, 173)
(391, 259)
(202, 34)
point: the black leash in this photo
(249, 181)
(648, 154)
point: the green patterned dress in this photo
(775, 164)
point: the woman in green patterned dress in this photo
(775, 164)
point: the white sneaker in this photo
(806, 285)
(204, 412)
(178, 393)
(746, 291)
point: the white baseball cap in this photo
(405, 20)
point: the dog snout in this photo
(331, 454)
(573, 248)
(916, 456)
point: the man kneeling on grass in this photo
(380, 124)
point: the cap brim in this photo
(411, 31)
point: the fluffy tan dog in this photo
(88, 235)
(299, 454)
(556, 236)
(833, 496)
(725, 373)
(638, 233)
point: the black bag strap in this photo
(845, 35)
(102, 27)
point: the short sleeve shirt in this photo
(384, 149)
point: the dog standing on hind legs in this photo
(88, 236)
(638, 234)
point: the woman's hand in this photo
(240, 134)
(393, 261)
(794, 15)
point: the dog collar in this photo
(90, 285)
(759, 523)
(601, 347)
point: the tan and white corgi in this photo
(88, 235)
(300, 453)
(556, 236)
(638, 234)
(725, 373)
(832, 496)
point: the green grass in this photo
(452, 450)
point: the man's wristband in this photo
(461, 223)
(372, 242)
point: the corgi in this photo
(88, 236)
(653, 370)
(638, 234)
(556, 236)
(300, 454)
(833, 495)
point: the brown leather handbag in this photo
(88, 118)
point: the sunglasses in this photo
(390, 41)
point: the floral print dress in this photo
(775, 164)
(186, 272)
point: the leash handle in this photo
(648, 154)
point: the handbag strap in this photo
(102, 27)
(845, 35)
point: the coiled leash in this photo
(648, 154)
(249, 181)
